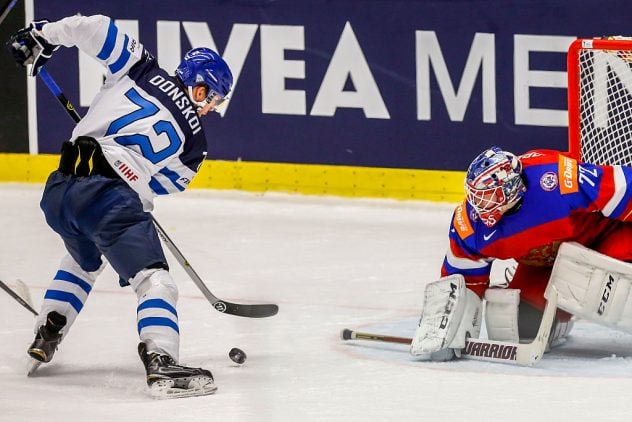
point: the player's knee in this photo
(69, 264)
(156, 282)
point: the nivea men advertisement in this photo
(379, 83)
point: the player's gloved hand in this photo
(29, 47)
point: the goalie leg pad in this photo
(501, 314)
(560, 332)
(593, 286)
(451, 313)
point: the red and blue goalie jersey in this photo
(564, 201)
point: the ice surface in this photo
(329, 263)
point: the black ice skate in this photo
(47, 338)
(166, 379)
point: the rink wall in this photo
(379, 98)
(292, 178)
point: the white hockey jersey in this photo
(147, 126)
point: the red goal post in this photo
(600, 100)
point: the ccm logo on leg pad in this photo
(607, 290)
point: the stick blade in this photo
(246, 311)
(23, 290)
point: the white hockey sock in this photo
(156, 313)
(68, 292)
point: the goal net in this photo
(600, 100)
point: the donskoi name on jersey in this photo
(180, 99)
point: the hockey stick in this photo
(250, 311)
(243, 310)
(17, 297)
(6, 9)
(57, 92)
(523, 354)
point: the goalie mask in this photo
(493, 184)
(203, 66)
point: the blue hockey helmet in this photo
(203, 66)
(493, 184)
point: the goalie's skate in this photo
(166, 379)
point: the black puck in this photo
(237, 355)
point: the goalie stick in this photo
(523, 354)
(244, 310)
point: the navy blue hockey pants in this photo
(100, 216)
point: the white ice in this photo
(330, 264)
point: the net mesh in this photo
(605, 105)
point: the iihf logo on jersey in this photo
(548, 181)
(125, 171)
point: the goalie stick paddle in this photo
(523, 354)
(237, 309)
(476, 349)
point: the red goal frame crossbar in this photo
(572, 63)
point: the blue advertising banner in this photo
(372, 83)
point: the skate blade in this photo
(164, 389)
(32, 367)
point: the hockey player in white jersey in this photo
(141, 137)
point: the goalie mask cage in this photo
(600, 101)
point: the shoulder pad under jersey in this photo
(538, 156)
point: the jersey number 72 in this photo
(147, 109)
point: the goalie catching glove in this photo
(451, 314)
(29, 47)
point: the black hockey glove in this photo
(29, 47)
